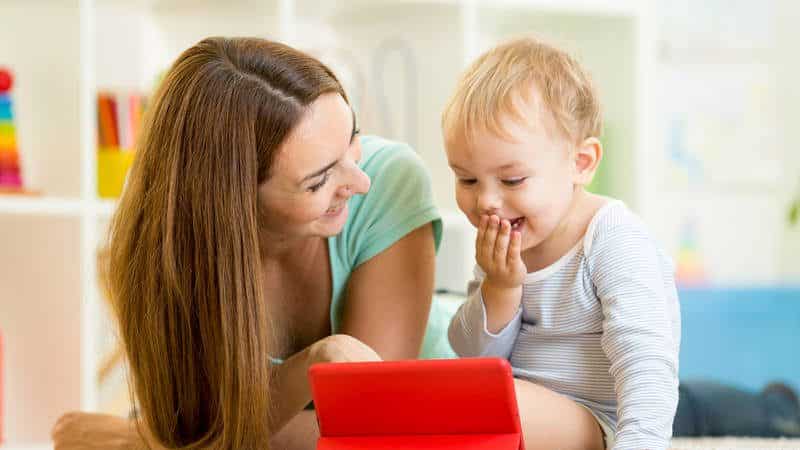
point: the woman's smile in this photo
(335, 211)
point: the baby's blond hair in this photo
(502, 82)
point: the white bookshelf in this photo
(50, 309)
(49, 206)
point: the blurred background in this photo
(700, 102)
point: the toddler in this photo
(569, 285)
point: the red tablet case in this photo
(466, 404)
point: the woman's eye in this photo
(322, 182)
(467, 181)
(514, 181)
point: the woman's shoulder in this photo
(372, 144)
(399, 178)
(399, 200)
(380, 154)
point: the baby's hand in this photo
(497, 250)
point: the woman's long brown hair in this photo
(182, 262)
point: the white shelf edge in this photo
(104, 209)
(41, 206)
(12, 446)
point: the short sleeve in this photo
(399, 201)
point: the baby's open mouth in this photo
(517, 223)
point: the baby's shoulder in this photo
(614, 225)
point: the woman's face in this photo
(315, 172)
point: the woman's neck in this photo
(281, 250)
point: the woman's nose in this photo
(359, 182)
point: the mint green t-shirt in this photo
(399, 201)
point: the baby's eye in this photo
(514, 181)
(467, 181)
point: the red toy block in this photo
(6, 80)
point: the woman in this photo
(258, 234)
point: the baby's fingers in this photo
(501, 244)
(490, 236)
(484, 223)
(514, 248)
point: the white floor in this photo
(735, 443)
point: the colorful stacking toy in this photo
(690, 270)
(10, 174)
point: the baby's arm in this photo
(488, 322)
(468, 332)
(639, 336)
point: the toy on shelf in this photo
(10, 173)
(690, 270)
(119, 118)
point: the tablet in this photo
(467, 403)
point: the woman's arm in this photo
(290, 393)
(389, 296)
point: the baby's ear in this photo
(586, 159)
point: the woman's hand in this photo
(341, 348)
(88, 431)
(290, 391)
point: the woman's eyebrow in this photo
(320, 171)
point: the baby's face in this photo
(526, 177)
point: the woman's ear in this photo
(586, 159)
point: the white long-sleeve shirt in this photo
(601, 326)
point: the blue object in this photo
(743, 336)
(5, 107)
